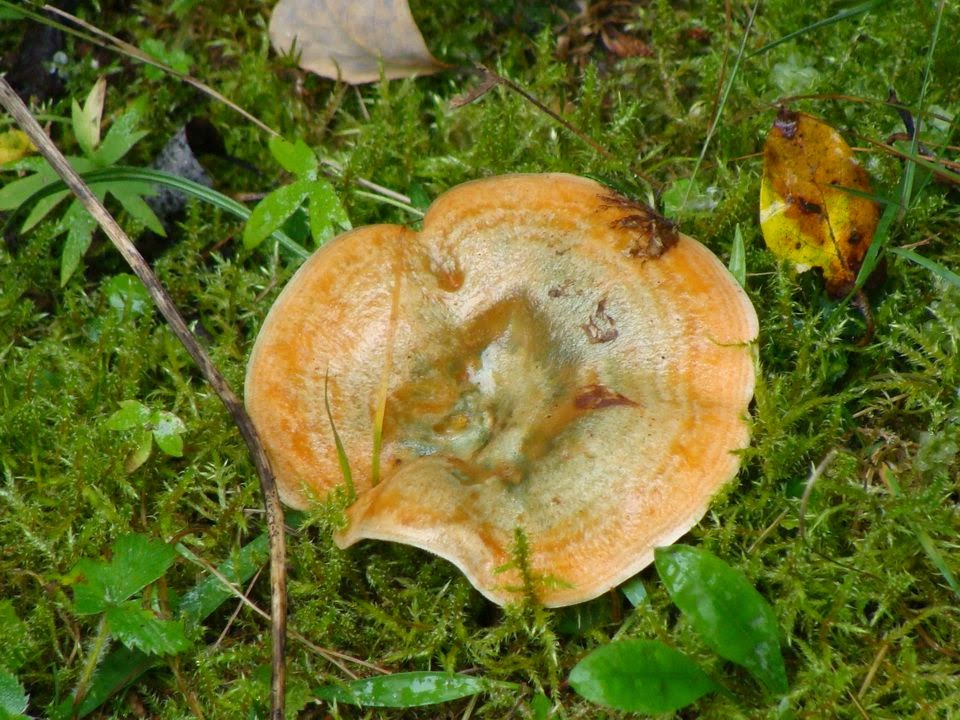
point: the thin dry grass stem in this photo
(727, 33)
(188, 694)
(135, 52)
(874, 666)
(857, 705)
(387, 364)
(468, 712)
(332, 656)
(112, 42)
(236, 611)
(715, 120)
(511, 85)
(161, 299)
(815, 474)
(767, 530)
(491, 79)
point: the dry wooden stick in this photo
(274, 511)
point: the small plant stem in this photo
(274, 511)
(90, 665)
(715, 120)
(387, 365)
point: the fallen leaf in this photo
(623, 45)
(350, 40)
(813, 209)
(14, 144)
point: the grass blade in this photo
(936, 268)
(841, 15)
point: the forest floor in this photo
(859, 559)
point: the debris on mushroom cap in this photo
(564, 361)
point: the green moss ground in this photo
(870, 626)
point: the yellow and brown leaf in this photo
(810, 213)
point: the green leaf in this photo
(80, 226)
(137, 561)
(120, 668)
(131, 414)
(635, 591)
(43, 208)
(106, 176)
(936, 268)
(167, 429)
(207, 595)
(126, 294)
(640, 676)
(837, 17)
(738, 258)
(297, 158)
(13, 698)
(142, 446)
(271, 212)
(86, 121)
(137, 208)
(404, 690)
(16, 193)
(327, 216)
(726, 610)
(120, 138)
(175, 58)
(540, 706)
(14, 638)
(140, 629)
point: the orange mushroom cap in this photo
(561, 360)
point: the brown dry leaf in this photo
(623, 45)
(809, 212)
(352, 40)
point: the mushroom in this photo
(553, 356)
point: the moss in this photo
(869, 624)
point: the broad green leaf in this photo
(726, 610)
(738, 258)
(296, 158)
(80, 226)
(167, 429)
(16, 193)
(120, 668)
(540, 706)
(125, 293)
(207, 595)
(271, 212)
(640, 676)
(86, 121)
(131, 414)
(404, 690)
(42, 208)
(327, 216)
(138, 209)
(140, 629)
(13, 698)
(137, 561)
(120, 138)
